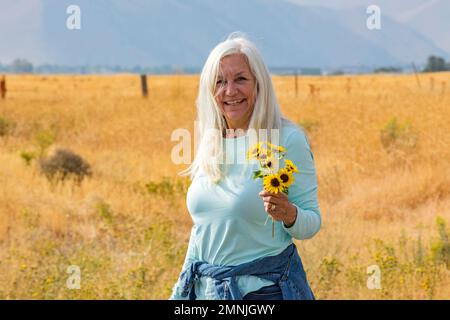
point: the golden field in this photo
(381, 145)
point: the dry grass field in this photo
(382, 150)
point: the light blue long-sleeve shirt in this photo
(229, 218)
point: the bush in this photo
(441, 248)
(44, 139)
(329, 269)
(105, 212)
(27, 157)
(396, 135)
(63, 164)
(167, 186)
(6, 126)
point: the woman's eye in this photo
(241, 79)
(220, 82)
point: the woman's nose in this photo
(230, 89)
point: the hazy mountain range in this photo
(305, 33)
(429, 17)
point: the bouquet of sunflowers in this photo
(275, 179)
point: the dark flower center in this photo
(275, 182)
(284, 177)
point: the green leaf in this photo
(257, 174)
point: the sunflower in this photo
(290, 166)
(255, 151)
(275, 147)
(270, 163)
(264, 155)
(273, 183)
(286, 177)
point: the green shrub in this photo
(27, 157)
(106, 212)
(329, 269)
(6, 126)
(44, 139)
(440, 249)
(395, 135)
(167, 186)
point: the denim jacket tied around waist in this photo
(285, 269)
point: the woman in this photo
(231, 254)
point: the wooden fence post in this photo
(144, 85)
(415, 73)
(3, 87)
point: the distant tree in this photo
(388, 70)
(117, 68)
(5, 67)
(436, 64)
(22, 66)
(136, 69)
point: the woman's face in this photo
(235, 91)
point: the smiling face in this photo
(235, 91)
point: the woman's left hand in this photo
(279, 207)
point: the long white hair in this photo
(210, 120)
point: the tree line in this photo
(434, 64)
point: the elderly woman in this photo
(231, 253)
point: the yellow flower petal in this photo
(273, 183)
(289, 165)
(286, 177)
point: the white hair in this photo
(211, 122)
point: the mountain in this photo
(428, 17)
(391, 7)
(404, 43)
(181, 33)
(20, 27)
(431, 19)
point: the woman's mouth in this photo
(234, 102)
